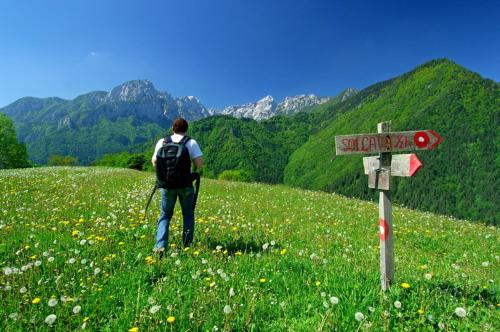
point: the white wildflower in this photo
(227, 309)
(50, 319)
(397, 304)
(154, 309)
(77, 309)
(52, 302)
(460, 312)
(334, 300)
(359, 316)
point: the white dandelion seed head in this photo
(428, 276)
(23, 290)
(97, 270)
(50, 259)
(7, 271)
(52, 302)
(460, 312)
(231, 292)
(204, 261)
(13, 315)
(326, 305)
(154, 309)
(441, 326)
(177, 262)
(485, 264)
(50, 319)
(82, 242)
(265, 246)
(322, 294)
(71, 260)
(359, 316)
(77, 309)
(83, 261)
(273, 242)
(397, 304)
(371, 309)
(38, 263)
(334, 300)
(227, 309)
(151, 300)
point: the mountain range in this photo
(460, 177)
(124, 118)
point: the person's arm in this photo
(198, 163)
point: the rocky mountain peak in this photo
(133, 91)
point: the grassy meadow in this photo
(75, 253)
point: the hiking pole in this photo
(196, 177)
(149, 201)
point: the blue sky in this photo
(233, 51)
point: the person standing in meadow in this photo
(173, 159)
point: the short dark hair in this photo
(180, 125)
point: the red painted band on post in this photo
(383, 229)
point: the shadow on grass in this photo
(238, 245)
(486, 296)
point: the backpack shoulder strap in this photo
(184, 140)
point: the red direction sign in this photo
(386, 142)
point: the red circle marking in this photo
(383, 229)
(421, 139)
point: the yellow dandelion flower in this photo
(212, 284)
(121, 243)
(262, 280)
(405, 285)
(196, 253)
(421, 311)
(238, 253)
(36, 300)
(75, 232)
(283, 252)
(170, 319)
(133, 329)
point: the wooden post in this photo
(385, 220)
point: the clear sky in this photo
(229, 52)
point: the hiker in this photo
(186, 151)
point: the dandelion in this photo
(421, 311)
(133, 329)
(441, 326)
(154, 309)
(23, 290)
(151, 300)
(50, 259)
(7, 271)
(262, 280)
(359, 316)
(38, 263)
(460, 312)
(36, 300)
(170, 319)
(71, 261)
(371, 309)
(231, 292)
(52, 302)
(428, 276)
(265, 246)
(334, 300)
(77, 309)
(397, 304)
(283, 252)
(50, 319)
(485, 264)
(82, 242)
(97, 270)
(13, 316)
(405, 285)
(318, 283)
(227, 309)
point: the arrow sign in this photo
(386, 142)
(401, 165)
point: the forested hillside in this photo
(12, 153)
(460, 177)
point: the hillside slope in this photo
(460, 177)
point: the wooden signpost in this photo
(379, 170)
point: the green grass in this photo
(275, 256)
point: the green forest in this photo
(12, 153)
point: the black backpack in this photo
(173, 164)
